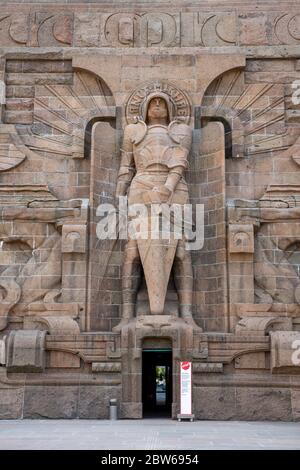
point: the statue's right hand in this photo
(163, 193)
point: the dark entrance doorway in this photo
(157, 382)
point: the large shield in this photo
(157, 257)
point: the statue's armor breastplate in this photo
(154, 149)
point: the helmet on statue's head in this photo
(157, 94)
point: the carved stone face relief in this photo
(157, 109)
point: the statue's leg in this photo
(131, 278)
(183, 277)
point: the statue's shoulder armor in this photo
(180, 133)
(136, 132)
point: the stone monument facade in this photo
(197, 103)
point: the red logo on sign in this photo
(185, 365)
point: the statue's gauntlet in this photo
(174, 177)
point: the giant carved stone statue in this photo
(154, 157)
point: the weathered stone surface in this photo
(295, 395)
(131, 410)
(12, 402)
(242, 403)
(214, 401)
(253, 28)
(75, 80)
(94, 401)
(264, 404)
(51, 401)
(63, 360)
(251, 361)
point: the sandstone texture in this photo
(77, 313)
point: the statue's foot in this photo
(119, 326)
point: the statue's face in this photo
(157, 109)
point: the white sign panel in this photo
(185, 388)
(2, 351)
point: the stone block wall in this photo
(71, 75)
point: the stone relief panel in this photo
(12, 150)
(38, 29)
(48, 116)
(32, 264)
(261, 125)
(254, 111)
(261, 145)
(74, 238)
(145, 30)
(287, 28)
(241, 239)
(271, 272)
(54, 118)
(151, 28)
(277, 262)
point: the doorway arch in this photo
(157, 377)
